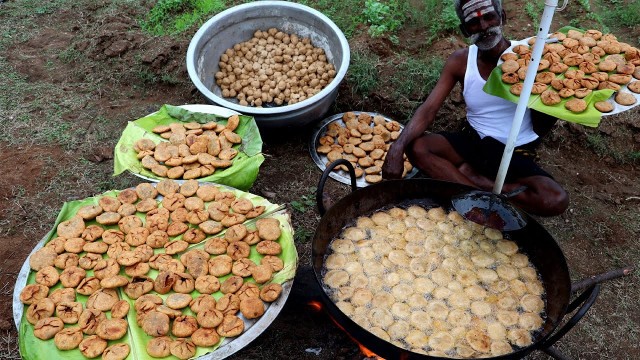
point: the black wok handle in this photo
(609, 275)
(587, 299)
(325, 175)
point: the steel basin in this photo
(238, 24)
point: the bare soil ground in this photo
(112, 72)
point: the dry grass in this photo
(9, 346)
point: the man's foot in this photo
(480, 181)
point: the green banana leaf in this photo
(590, 117)
(32, 348)
(240, 175)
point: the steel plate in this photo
(321, 159)
(229, 346)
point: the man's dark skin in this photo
(434, 155)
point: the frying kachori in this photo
(468, 293)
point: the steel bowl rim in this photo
(332, 86)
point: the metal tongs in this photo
(493, 209)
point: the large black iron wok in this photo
(533, 240)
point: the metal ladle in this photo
(493, 209)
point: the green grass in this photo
(599, 21)
(534, 10)
(303, 235)
(70, 55)
(341, 13)
(604, 15)
(18, 33)
(586, 5)
(598, 144)
(601, 146)
(621, 14)
(149, 78)
(35, 108)
(23, 12)
(305, 203)
(585, 14)
(26, 126)
(171, 17)
(388, 18)
(9, 99)
(413, 80)
(438, 16)
(383, 17)
(363, 72)
(424, 75)
(634, 156)
(32, 8)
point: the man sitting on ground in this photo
(472, 156)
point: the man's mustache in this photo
(490, 32)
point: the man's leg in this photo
(433, 154)
(480, 181)
(543, 197)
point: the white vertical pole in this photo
(543, 31)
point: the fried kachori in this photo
(625, 98)
(142, 238)
(363, 143)
(116, 352)
(584, 64)
(68, 338)
(159, 347)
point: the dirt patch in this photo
(20, 167)
(29, 60)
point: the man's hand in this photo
(393, 166)
(452, 73)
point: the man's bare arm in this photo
(424, 116)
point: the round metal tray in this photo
(229, 346)
(321, 159)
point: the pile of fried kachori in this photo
(578, 64)
(139, 247)
(273, 68)
(192, 150)
(363, 140)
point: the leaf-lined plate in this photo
(240, 175)
(590, 117)
(34, 348)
